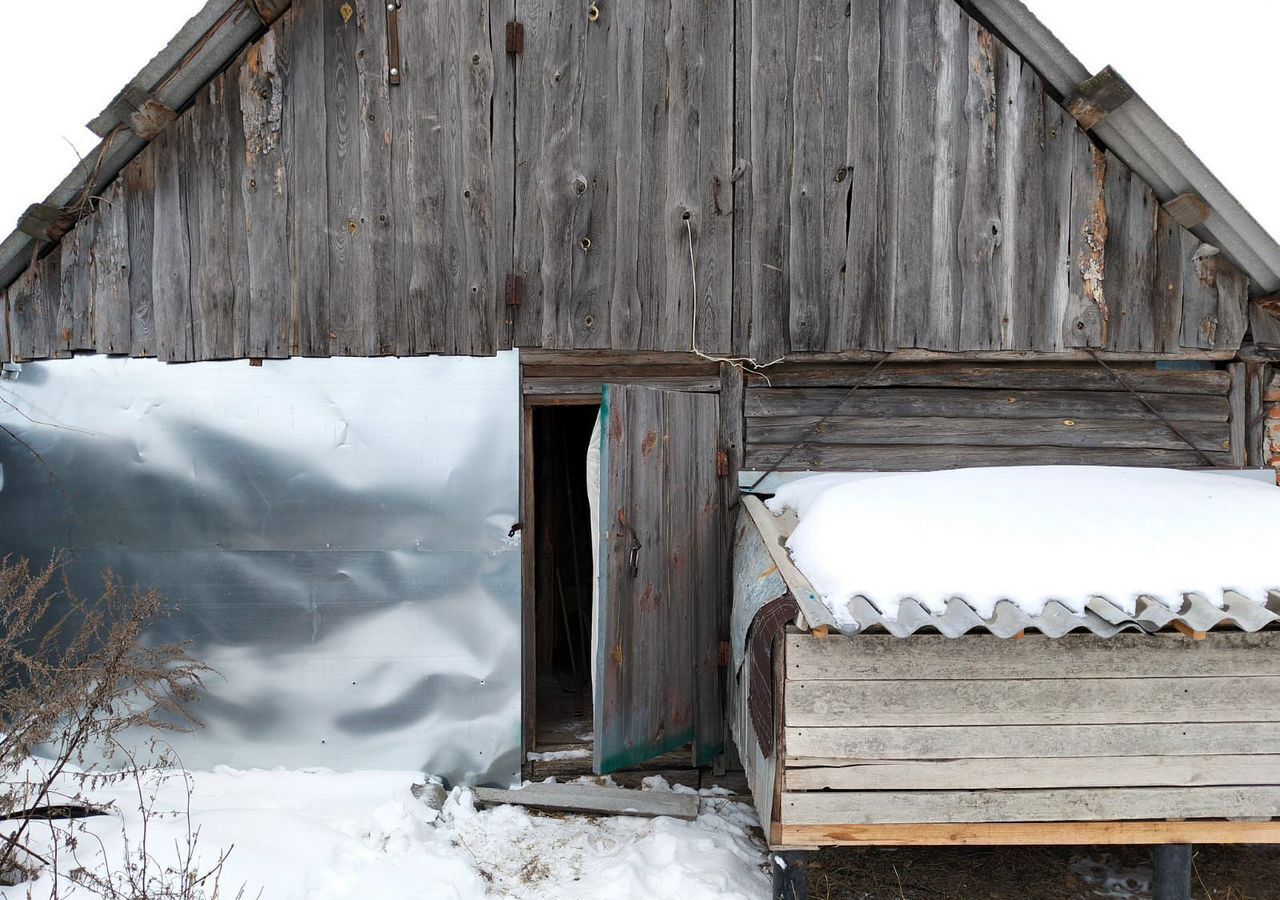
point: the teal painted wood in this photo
(660, 557)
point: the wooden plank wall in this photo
(881, 174)
(923, 416)
(911, 185)
(930, 730)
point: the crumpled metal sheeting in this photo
(1101, 617)
(334, 532)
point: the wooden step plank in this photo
(1210, 831)
(883, 807)
(594, 799)
(984, 656)
(820, 746)
(1036, 772)
(1080, 701)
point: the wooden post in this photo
(1171, 864)
(790, 875)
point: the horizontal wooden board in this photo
(993, 404)
(1080, 701)
(1010, 376)
(908, 458)
(1037, 772)
(1076, 804)
(936, 430)
(700, 384)
(984, 656)
(826, 746)
(1211, 831)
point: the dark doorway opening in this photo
(562, 578)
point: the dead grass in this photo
(1034, 873)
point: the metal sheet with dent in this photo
(334, 533)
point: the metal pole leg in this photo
(791, 875)
(1172, 866)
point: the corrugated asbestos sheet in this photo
(1102, 617)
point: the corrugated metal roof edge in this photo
(1146, 143)
(201, 49)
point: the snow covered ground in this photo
(1032, 534)
(321, 835)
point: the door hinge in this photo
(722, 464)
(724, 653)
(515, 38)
(515, 289)
(393, 41)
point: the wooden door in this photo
(657, 683)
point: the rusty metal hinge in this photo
(515, 38)
(722, 464)
(393, 41)
(515, 289)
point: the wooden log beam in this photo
(45, 222)
(270, 10)
(1264, 320)
(1212, 831)
(1098, 97)
(1188, 210)
(140, 112)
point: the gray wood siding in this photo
(743, 176)
(920, 416)
(928, 729)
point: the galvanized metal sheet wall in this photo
(334, 532)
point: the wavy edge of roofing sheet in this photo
(1101, 617)
(1145, 142)
(200, 50)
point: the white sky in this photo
(1208, 69)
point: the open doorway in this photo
(562, 577)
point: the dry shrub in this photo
(75, 675)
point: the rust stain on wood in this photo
(650, 441)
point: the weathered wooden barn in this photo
(884, 235)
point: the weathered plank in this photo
(871, 807)
(984, 432)
(594, 799)
(1239, 401)
(978, 657)
(503, 153)
(112, 315)
(1210, 831)
(827, 457)
(1088, 314)
(589, 385)
(304, 135)
(834, 745)
(33, 309)
(139, 200)
(1079, 701)
(171, 250)
(1002, 376)
(1132, 209)
(996, 404)
(75, 298)
(1037, 772)
(1258, 376)
(264, 195)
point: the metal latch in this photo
(515, 289)
(393, 41)
(515, 38)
